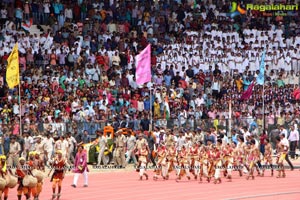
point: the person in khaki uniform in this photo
(14, 150)
(140, 142)
(120, 150)
(40, 147)
(169, 139)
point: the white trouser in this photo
(101, 156)
(142, 168)
(229, 168)
(186, 168)
(205, 169)
(85, 176)
(218, 170)
(164, 170)
(197, 168)
(130, 154)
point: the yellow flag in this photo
(12, 71)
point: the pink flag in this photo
(143, 66)
(247, 94)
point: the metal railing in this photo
(173, 124)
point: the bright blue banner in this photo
(261, 76)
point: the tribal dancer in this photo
(39, 165)
(22, 170)
(240, 155)
(268, 157)
(253, 158)
(161, 168)
(31, 164)
(282, 150)
(59, 166)
(4, 171)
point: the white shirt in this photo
(64, 146)
(294, 136)
(28, 141)
(284, 131)
(180, 142)
(46, 8)
(49, 144)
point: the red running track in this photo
(125, 185)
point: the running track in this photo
(120, 185)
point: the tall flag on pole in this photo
(261, 76)
(247, 94)
(143, 66)
(12, 70)
(167, 108)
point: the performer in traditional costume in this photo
(253, 157)
(4, 171)
(59, 166)
(203, 163)
(31, 164)
(22, 170)
(143, 160)
(217, 162)
(240, 155)
(172, 162)
(194, 160)
(183, 164)
(228, 160)
(282, 150)
(268, 157)
(210, 163)
(161, 165)
(39, 165)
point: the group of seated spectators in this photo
(79, 74)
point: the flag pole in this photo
(229, 122)
(263, 94)
(151, 118)
(263, 106)
(20, 104)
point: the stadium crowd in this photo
(80, 72)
